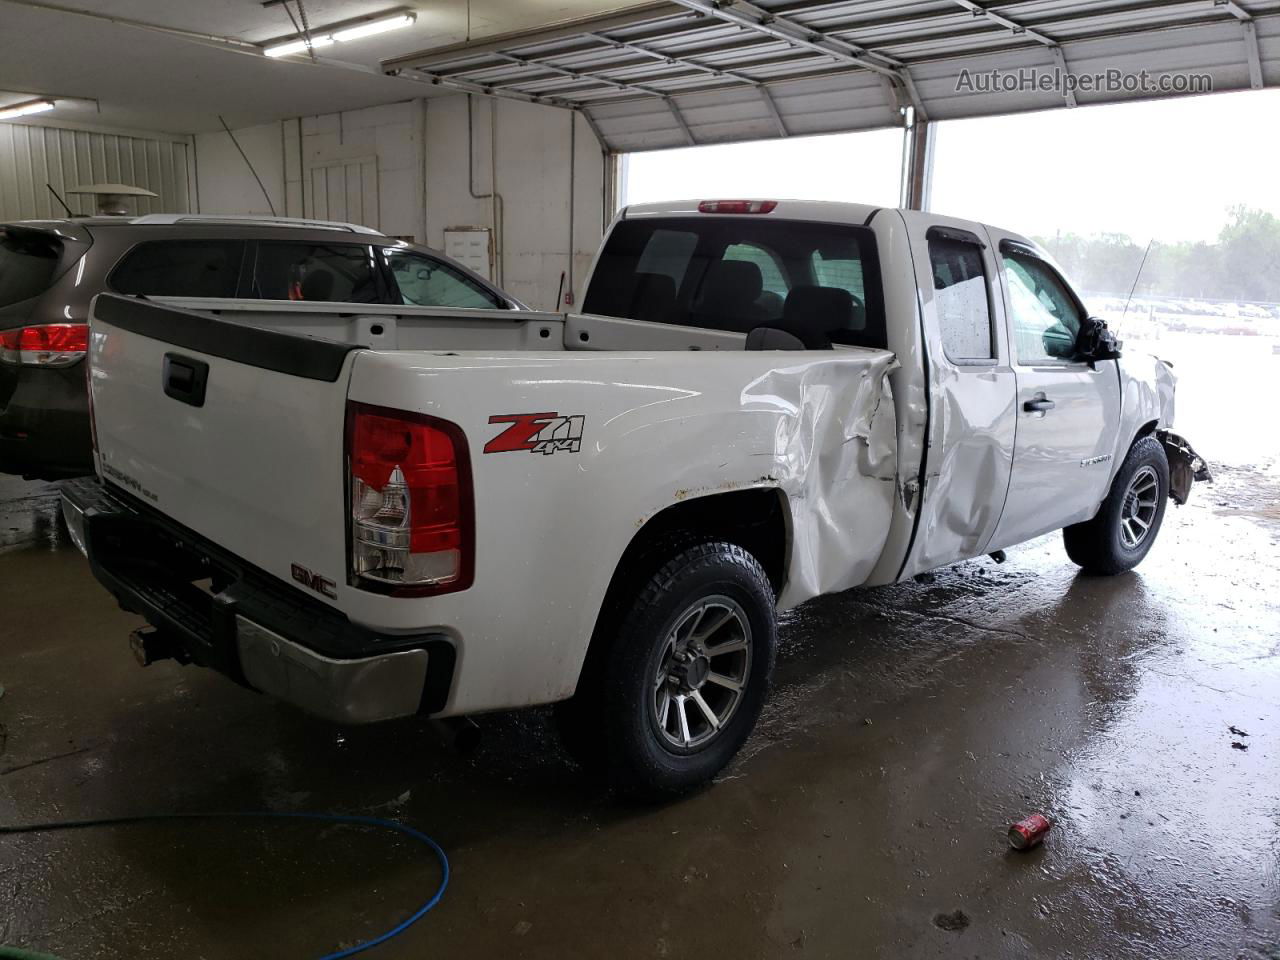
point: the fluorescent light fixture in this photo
(356, 31)
(374, 27)
(290, 47)
(25, 109)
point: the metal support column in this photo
(917, 163)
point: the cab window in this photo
(1046, 320)
(771, 279)
(960, 298)
(835, 268)
(742, 272)
(426, 282)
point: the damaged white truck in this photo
(375, 512)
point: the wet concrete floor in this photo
(909, 726)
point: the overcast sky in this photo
(1167, 168)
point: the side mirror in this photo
(1096, 342)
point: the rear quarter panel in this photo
(658, 429)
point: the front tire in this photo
(1127, 523)
(688, 670)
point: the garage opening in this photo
(855, 167)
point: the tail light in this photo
(412, 516)
(50, 345)
(737, 206)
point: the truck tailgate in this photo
(230, 430)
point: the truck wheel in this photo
(689, 670)
(1125, 527)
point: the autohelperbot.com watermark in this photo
(1112, 80)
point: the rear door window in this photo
(960, 296)
(28, 264)
(427, 282)
(180, 268)
(739, 273)
(315, 272)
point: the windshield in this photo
(739, 273)
(28, 261)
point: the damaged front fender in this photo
(1185, 465)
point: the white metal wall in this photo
(32, 155)
(345, 190)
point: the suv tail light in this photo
(737, 206)
(50, 345)
(412, 516)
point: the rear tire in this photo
(685, 676)
(1128, 521)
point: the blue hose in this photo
(407, 831)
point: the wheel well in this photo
(1146, 430)
(756, 520)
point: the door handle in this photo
(1038, 405)
(185, 378)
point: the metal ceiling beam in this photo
(1061, 60)
(524, 38)
(1250, 35)
(595, 130)
(748, 15)
(751, 17)
(1254, 55)
(579, 75)
(770, 106)
(668, 58)
(1019, 29)
(484, 89)
(1233, 8)
(934, 26)
(1106, 34)
(680, 121)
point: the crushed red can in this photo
(1025, 834)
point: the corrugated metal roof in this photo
(715, 71)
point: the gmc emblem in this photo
(313, 581)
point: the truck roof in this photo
(817, 211)
(825, 211)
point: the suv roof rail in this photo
(249, 220)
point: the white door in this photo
(1067, 411)
(971, 385)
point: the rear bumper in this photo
(44, 422)
(249, 625)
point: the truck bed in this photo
(258, 464)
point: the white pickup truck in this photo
(374, 512)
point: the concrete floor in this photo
(909, 726)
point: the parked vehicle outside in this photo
(50, 270)
(767, 401)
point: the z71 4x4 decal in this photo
(537, 433)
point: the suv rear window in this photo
(28, 261)
(739, 273)
(180, 268)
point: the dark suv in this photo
(51, 269)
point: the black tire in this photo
(1105, 545)
(699, 586)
